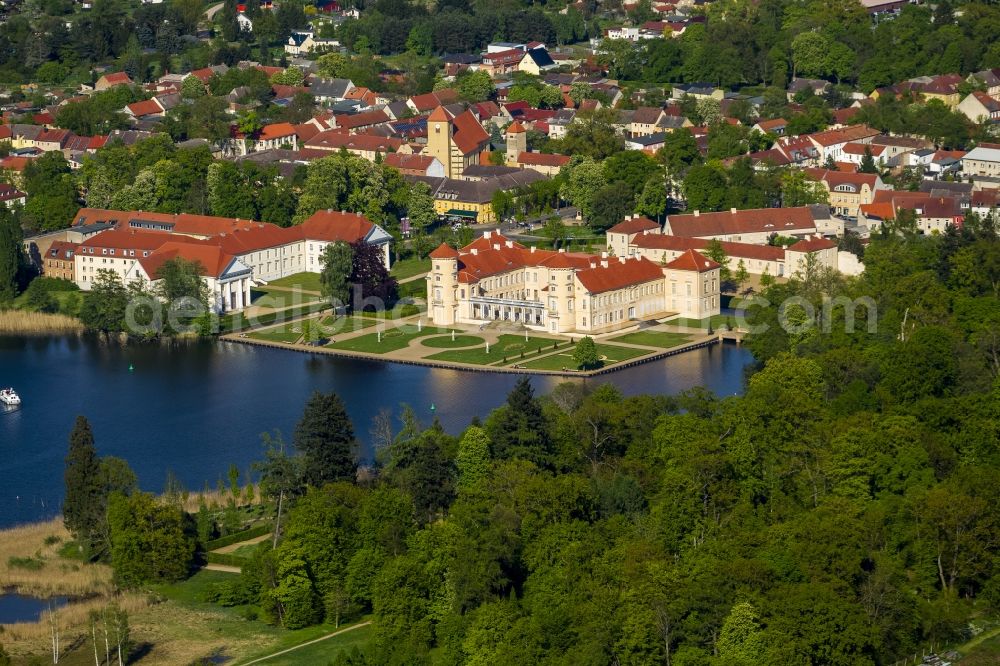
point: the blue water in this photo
(196, 408)
(21, 608)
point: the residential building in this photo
(980, 108)
(305, 41)
(848, 191)
(58, 260)
(11, 196)
(111, 80)
(982, 161)
(830, 143)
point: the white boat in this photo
(9, 397)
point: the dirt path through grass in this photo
(312, 642)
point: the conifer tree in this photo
(83, 507)
(325, 437)
(519, 429)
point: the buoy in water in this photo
(433, 408)
(131, 367)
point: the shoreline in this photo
(699, 343)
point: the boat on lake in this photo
(9, 397)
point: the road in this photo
(212, 11)
(312, 642)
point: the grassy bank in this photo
(23, 322)
(30, 563)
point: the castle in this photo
(496, 279)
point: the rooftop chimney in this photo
(604, 263)
(562, 249)
(509, 244)
(621, 259)
(604, 255)
(733, 211)
(474, 251)
(697, 213)
(533, 248)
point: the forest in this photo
(843, 510)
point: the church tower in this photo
(517, 142)
(439, 139)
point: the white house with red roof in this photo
(266, 251)
(227, 279)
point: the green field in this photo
(304, 281)
(509, 346)
(392, 340)
(409, 267)
(653, 339)
(446, 341)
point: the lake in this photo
(195, 408)
(22, 608)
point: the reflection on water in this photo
(195, 408)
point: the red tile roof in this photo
(692, 260)
(212, 258)
(812, 245)
(634, 225)
(117, 78)
(843, 135)
(469, 135)
(444, 251)
(145, 108)
(366, 119)
(735, 250)
(768, 220)
(543, 159)
(337, 139)
(618, 274)
(276, 131)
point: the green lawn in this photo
(981, 652)
(716, 320)
(289, 332)
(564, 359)
(446, 341)
(401, 310)
(392, 339)
(653, 339)
(329, 326)
(509, 346)
(409, 267)
(192, 594)
(195, 589)
(324, 652)
(277, 298)
(305, 281)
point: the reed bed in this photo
(192, 500)
(30, 564)
(22, 322)
(73, 617)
